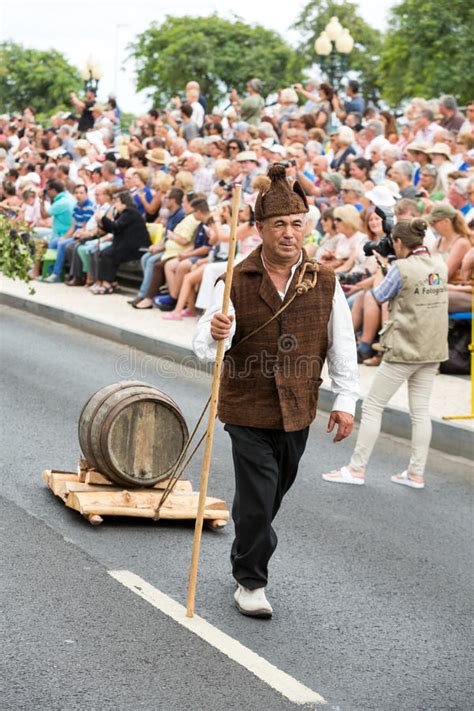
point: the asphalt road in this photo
(371, 586)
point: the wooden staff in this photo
(193, 571)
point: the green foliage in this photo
(32, 77)
(367, 41)
(427, 50)
(15, 257)
(219, 54)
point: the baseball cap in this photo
(333, 178)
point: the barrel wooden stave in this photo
(132, 433)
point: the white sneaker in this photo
(252, 602)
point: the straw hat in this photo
(157, 155)
(441, 149)
(419, 147)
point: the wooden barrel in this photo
(132, 433)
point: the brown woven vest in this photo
(272, 380)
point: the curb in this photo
(449, 439)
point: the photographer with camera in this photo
(414, 342)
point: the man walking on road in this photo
(287, 316)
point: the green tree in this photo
(32, 77)
(367, 41)
(220, 54)
(427, 50)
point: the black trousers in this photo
(75, 262)
(265, 463)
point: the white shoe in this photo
(343, 476)
(252, 602)
(404, 479)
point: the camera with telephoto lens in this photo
(384, 246)
(351, 278)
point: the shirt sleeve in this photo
(342, 354)
(204, 346)
(390, 286)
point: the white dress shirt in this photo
(341, 354)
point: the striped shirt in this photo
(82, 213)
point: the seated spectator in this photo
(458, 196)
(454, 237)
(60, 209)
(90, 239)
(360, 170)
(180, 227)
(184, 295)
(176, 270)
(351, 192)
(202, 177)
(145, 201)
(248, 163)
(344, 138)
(402, 173)
(348, 224)
(82, 212)
(430, 183)
(130, 234)
(452, 118)
(30, 212)
(327, 245)
(10, 202)
(440, 155)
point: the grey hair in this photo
(427, 114)
(405, 167)
(357, 186)
(449, 102)
(376, 126)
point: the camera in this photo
(384, 246)
(288, 163)
(350, 278)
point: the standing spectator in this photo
(82, 212)
(452, 118)
(355, 101)
(252, 106)
(468, 125)
(86, 120)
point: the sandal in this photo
(187, 314)
(172, 317)
(405, 480)
(343, 476)
(101, 290)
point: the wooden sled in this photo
(94, 497)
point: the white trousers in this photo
(390, 376)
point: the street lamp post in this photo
(91, 75)
(333, 46)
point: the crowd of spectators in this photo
(101, 194)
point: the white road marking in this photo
(271, 675)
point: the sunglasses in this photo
(338, 219)
(233, 148)
(346, 190)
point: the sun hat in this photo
(333, 178)
(441, 149)
(380, 196)
(419, 147)
(392, 187)
(246, 155)
(278, 148)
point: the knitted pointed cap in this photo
(280, 197)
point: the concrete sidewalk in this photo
(111, 317)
